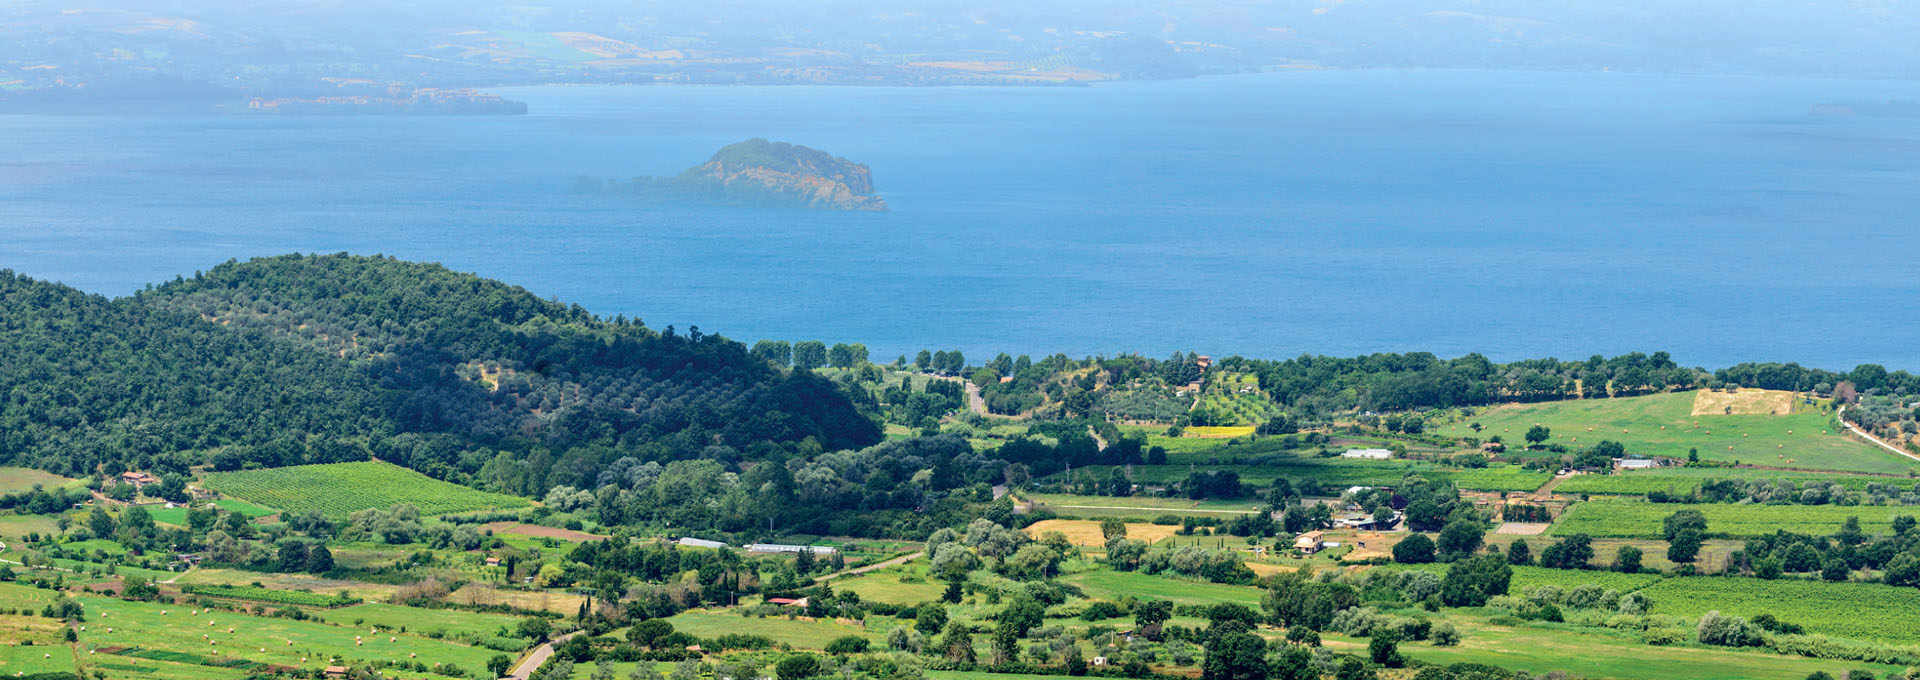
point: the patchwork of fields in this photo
(339, 489)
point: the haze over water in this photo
(1510, 213)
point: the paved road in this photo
(1842, 415)
(538, 656)
(897, 561)
(975, 402)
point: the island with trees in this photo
(761, 173)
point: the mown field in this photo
(1664, 425)
(1621, 518)
(1683, 479)
(339, 489)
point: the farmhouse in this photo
(1369, 454)
(139, 480)
(789, 549)
(1309, 542)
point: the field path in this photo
(538, 656)
(975, 402)
(1842, 415)
(856, 571)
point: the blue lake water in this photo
(1513, 214)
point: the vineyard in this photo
(1634, 519)
(339, 489)
(259, 594)
(1681, 480)
(1867, 611)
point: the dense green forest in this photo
(314, 359)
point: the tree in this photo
(797, 666)
(809, 355)
(930, 619)
(1416, 548)
(1537, 435)
(1460, 538)
(1627, 560)
(319, 560)
(535, 628)
(776, 352)
(1684, 547)
(499, 665)
(1519, 553)
(1470, 582)
(1572, 552)
(958, 644)
(1683, 520)
(1384, 648)
(1112, 528)
(1150, 616)
(649, 632)
(1234, 653)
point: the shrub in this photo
(1727, 631)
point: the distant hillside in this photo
(299, 359)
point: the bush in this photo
(849, 644)
(796, 667)
(1444, 635)
(1727, 631)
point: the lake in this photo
(1514, 214)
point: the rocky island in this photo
(761, 172)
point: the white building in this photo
(689, 542)
(782, 548)
(1370, 454)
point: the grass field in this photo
(1867, 611)
(470, 627)
(900, 585)
(339, 489)
(1106, 584)
(1619, 518)
(13, 527)
(1664, 425)
(802, 634)
(15, 479)
(176, 631)
(1683, 479)
(1219, 432)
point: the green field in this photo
(1620, 518)
(899, 585)
(813, 634)
(1801, 440)
(465, 626)
(339, 489)
(204, 639)
(1866, 611)
(1684, 479)
(1106, 584)
(1600, 653)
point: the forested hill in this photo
(311, 359)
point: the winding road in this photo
(1842, 416)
